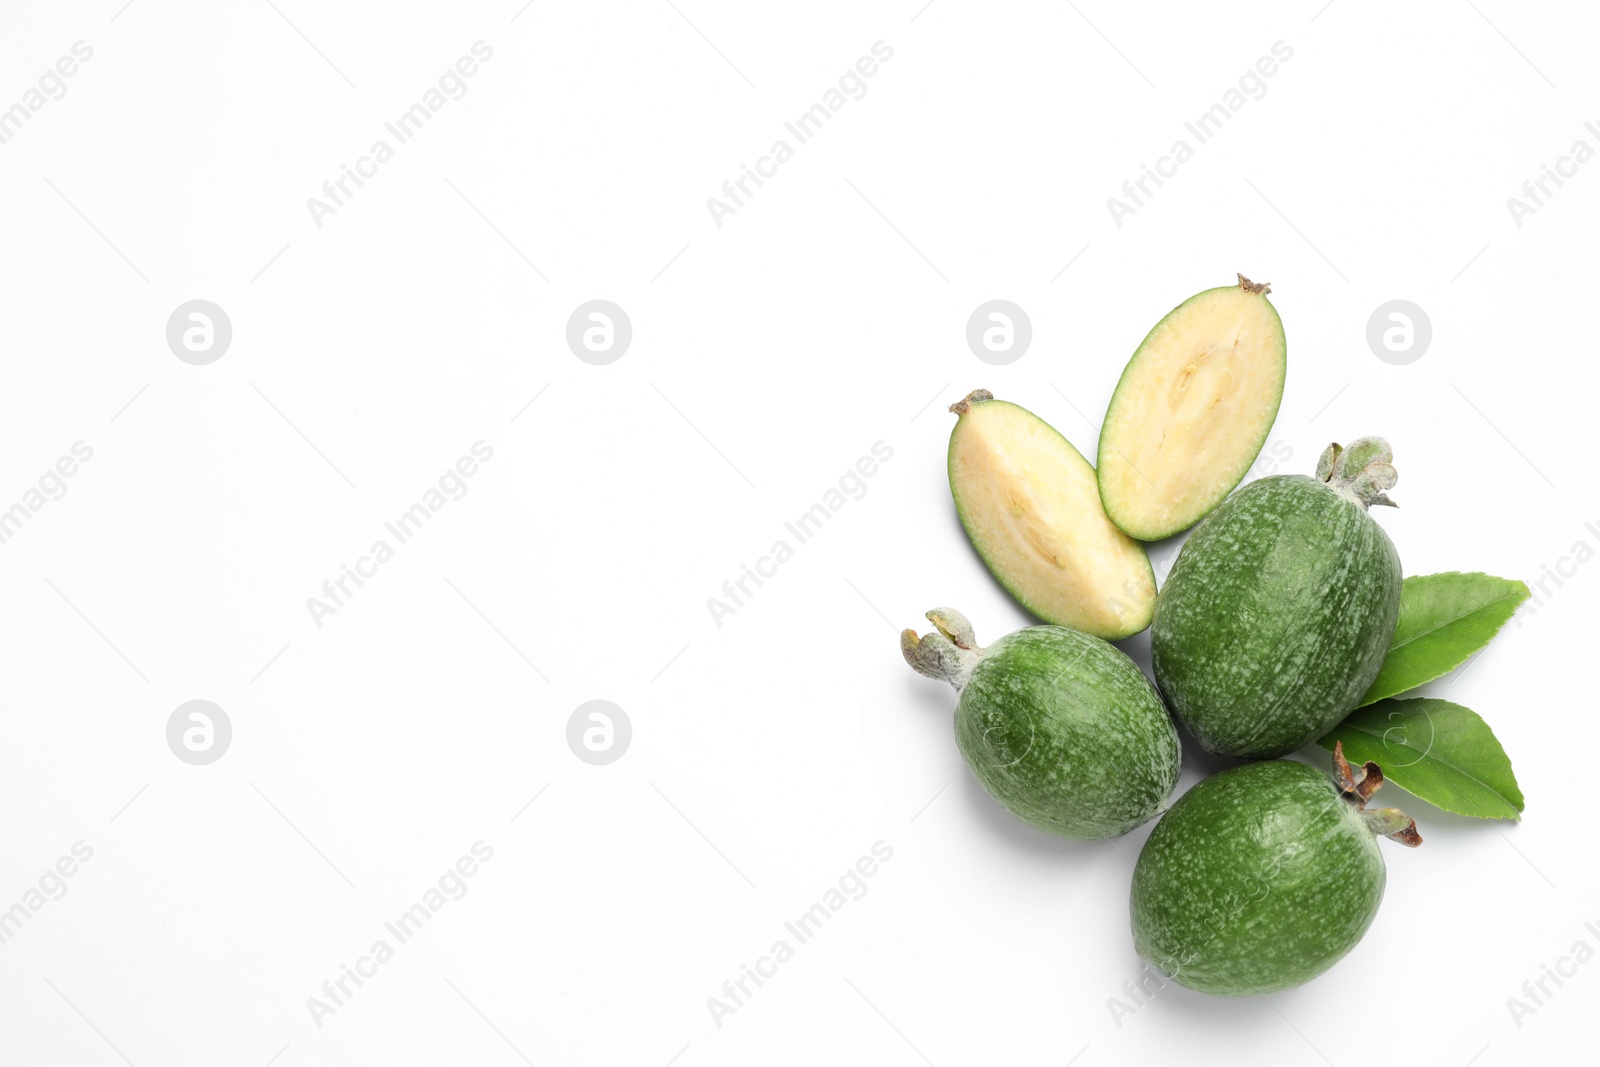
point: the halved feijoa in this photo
(1192, 410)
(1030, 504)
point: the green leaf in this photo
(1442, 752)
(1444, 619)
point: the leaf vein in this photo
(1452, 621)
(1426, 754)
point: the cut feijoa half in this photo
(1031, 507)
(1192, 410)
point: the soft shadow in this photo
(1164, 553)
(1016, 834)
(931, 696)
(1137, 648)
(1203, 764)
(1213, 1012)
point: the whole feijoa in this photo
(1280, 607)
(1262, 877)
(1060, 727)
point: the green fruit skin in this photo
(1276, 617)
(1067, 733)
(1258, 879)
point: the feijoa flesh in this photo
(1192, 410)
(1030, 506)
(1263, 877)
(1280, 607)
(1060, 727)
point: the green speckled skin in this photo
(1275, 618)
(1067, 733)
(1258, 879)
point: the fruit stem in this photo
(1263, 288)
(1361, 472)
(950, 654)
(1358, 785)
(977, 396)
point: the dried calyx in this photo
(1358, 784)
(950, 654)
(1361, 472)
(977, 396)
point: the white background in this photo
(827, 314)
